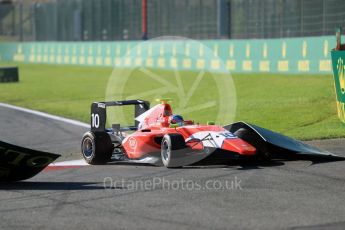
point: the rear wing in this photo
(99, 112)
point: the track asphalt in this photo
(244, 195)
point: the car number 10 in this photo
(95, 120)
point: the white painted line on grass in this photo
(46, 115)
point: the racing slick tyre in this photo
(262, 151)
(96, 148)
(172, 144)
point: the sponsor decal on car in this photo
(132, 142)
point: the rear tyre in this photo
(96, 148)
(251, 138)
(172, 144)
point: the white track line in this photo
(46, 115)
(69, 163)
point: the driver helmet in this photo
(176, 119)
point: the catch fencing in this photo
(110, 20)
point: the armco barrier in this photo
(292, 55)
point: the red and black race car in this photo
(160, 137)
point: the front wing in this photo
(276, 144)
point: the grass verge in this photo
(301, 106)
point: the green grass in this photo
(301, 106)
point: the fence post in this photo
(144, 19)
(21, 21)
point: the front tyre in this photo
(171, 146)
(96, 148)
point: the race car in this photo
(160, 137)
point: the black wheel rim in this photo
(87, 147)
